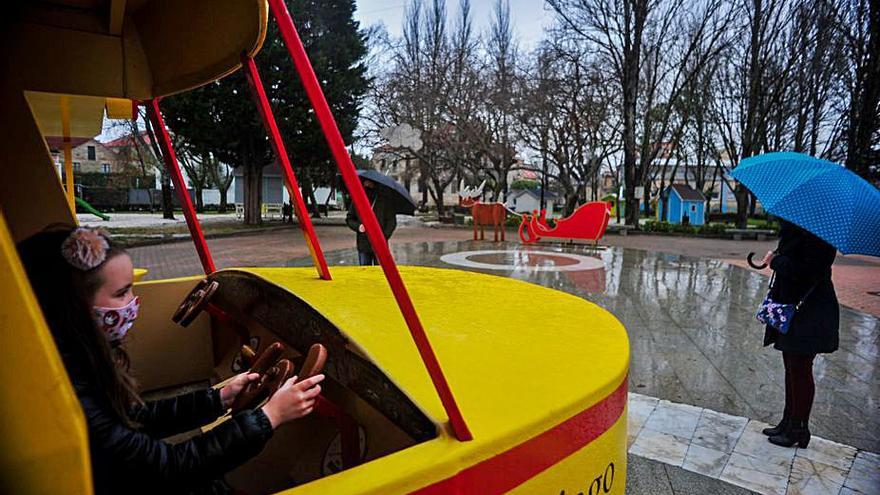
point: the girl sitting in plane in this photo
(84, 287)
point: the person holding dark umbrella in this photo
(822, 208)
(387, 198)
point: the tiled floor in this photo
(733, 449)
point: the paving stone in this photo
(814, 478)
(719, 431)
(709, 462)
(756, 474)
(660, 446)
(675, 419)
(864, 475)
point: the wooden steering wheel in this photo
(274, 370)
(195, 302)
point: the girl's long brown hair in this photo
(65, 295)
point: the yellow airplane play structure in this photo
(439, 381)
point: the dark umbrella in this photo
(396, 193)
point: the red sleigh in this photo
(588, 222)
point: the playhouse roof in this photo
(687, 193)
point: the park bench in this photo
(272, 210)
(758, 234)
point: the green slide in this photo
(85, 206)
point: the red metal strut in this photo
(305, 221)
(189, 212)
(365, 212)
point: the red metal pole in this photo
(195, 230)
(365, 212)
(305, 221)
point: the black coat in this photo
(385, 214)
(803, 261)
(128, 460)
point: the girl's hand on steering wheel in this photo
(293, 400)
(232, 389)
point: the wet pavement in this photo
(692, 330)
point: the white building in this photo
(529, 200)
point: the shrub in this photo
(512, 221)
(712, 229)
(676, 228)
(655, 226)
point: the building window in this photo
(76, 167)
(91, 152)
(105, 168)
(694, 208)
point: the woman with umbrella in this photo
(822, 208)
(801, 267)
(387, 198)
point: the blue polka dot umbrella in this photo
(819, 196)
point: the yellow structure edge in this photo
(45, 444)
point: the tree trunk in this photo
(167, 198)
(742, 205)
(571, 202)
(634, 21)
(223, 204)
(200, 200)
(253, 194)
(755, 89)
(309, 196)
(316, 213)
(437, 192)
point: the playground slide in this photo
(85, 206)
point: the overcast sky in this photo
(529, 17)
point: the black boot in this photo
(776, 430)
(796, 433)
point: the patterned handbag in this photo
(779, 315)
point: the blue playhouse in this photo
(684, 201)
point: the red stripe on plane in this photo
(514, 467)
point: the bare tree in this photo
(567, 118)
(654, 49)
(191, 161)
(858, 21)
(220, 176)
(497, 111)
(415, 91)
(752, 85)
(165, 179)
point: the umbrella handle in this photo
(753, 264)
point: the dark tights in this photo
(799, 386)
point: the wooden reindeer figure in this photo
(494, 214)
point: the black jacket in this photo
(803, 261)
(384, 210)
(127, 460)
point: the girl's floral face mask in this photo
(115, 323)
